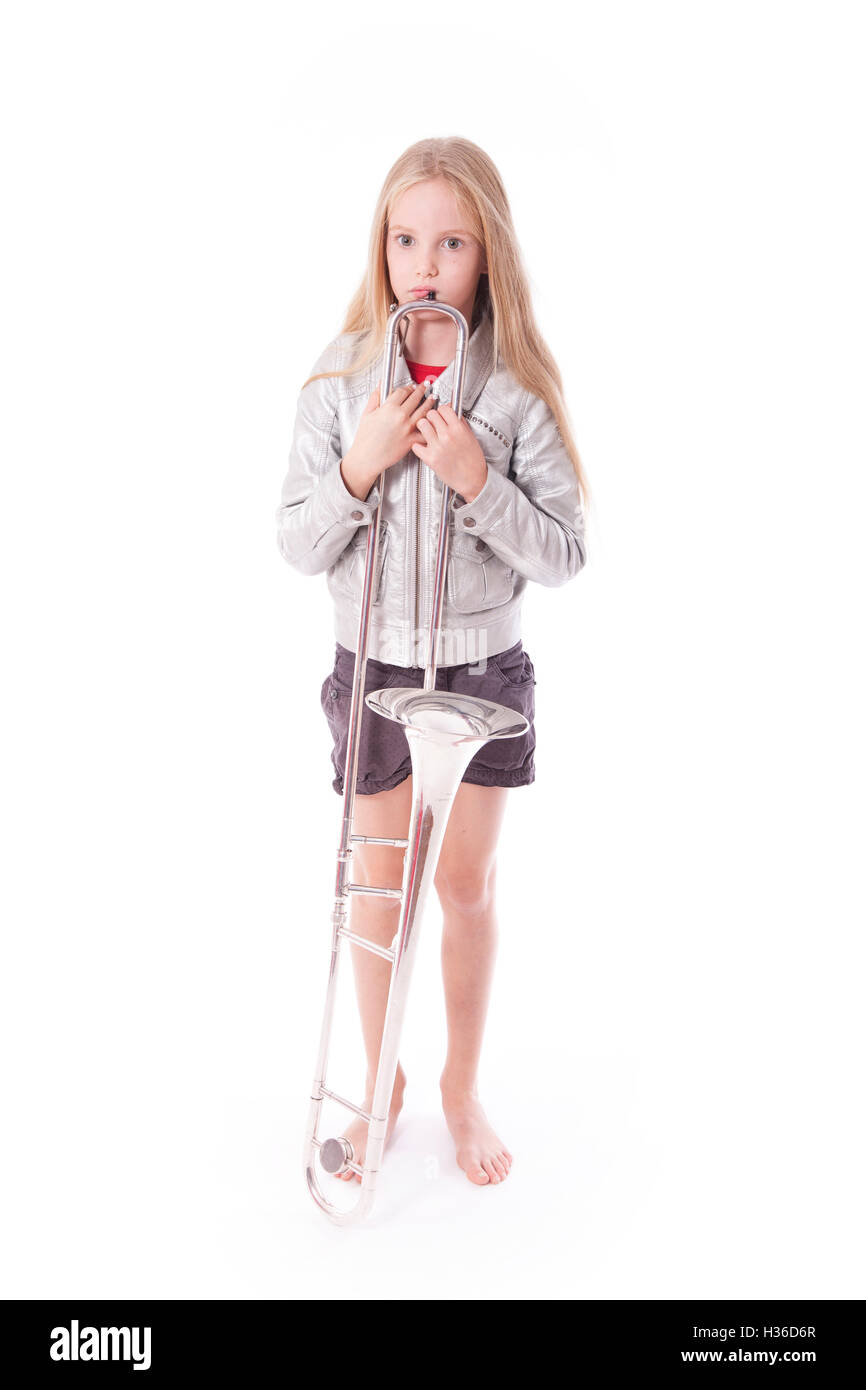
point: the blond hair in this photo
(503, 291)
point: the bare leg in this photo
(466, 884)
(377, 919)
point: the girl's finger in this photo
(402, 393)
(425, 407)
(435, 421)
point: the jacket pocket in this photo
(346, 575)
(477, 578)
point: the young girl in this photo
(442, 223)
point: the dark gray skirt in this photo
(384, 760)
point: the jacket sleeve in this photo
(318, 515)
(533, 518)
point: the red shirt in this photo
(420, 370)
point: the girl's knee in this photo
(467, 888)
(378, 866)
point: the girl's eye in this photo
(403, 237)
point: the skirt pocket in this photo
(514, 666)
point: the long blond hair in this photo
(503, 291)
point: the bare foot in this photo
(356, 1132)
(480, 1152)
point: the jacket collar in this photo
(479, 365)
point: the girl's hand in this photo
(452, 451)
(387, 432)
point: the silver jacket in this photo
(525, 523)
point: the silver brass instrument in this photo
(444, 731)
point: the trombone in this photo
(444, 731)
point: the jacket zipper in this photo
(418, 467)
(477, 419)
(417, 540)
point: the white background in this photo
(674, 1052)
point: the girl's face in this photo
(428, 246)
